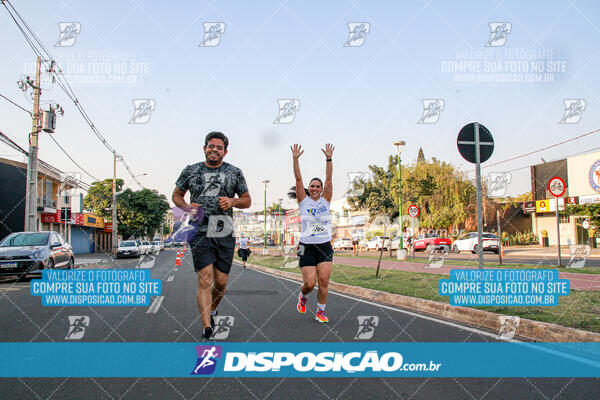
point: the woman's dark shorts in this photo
(244, 253)
(213, 250)
(313, 254)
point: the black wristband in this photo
(328, 159)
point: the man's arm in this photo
(244, 201)
(179, 200)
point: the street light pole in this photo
(399, 147)
(115, 243)
(266, 181)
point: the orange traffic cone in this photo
(178, 261)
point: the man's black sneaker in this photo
(208, 332)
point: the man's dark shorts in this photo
(217, 251)
(314, 254)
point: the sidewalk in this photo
(88, 259)
(577, 281)
(544, 251)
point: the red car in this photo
(431, 241)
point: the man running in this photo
(244, 250)
(314, 249)
(213, 185)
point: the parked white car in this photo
(147, 247)
(158, 246)
(468, 242)
(342, 243)
(376, 242)
(128, 248)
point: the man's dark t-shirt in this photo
(206, 185)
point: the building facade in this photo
(581, 175)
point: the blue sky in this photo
(360, 98)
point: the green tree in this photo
(444, 195)
(378, 196)
(139, 213)
(420, 156)
(99, 198)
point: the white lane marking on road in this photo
(458, 326)
(155, 305)
(170, 279)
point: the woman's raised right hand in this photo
(296, 150)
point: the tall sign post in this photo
(476, 145)
(556, 187)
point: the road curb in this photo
(527, 329)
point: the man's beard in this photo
(214, 162)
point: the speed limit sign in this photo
(413, 210)
(556, 186)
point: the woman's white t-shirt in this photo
(315, 221)
(243, 242)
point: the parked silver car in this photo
(24, 253)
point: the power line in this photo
(15, 104)
(4, 138)
(71, 158)
(62, 81)
(542, 149)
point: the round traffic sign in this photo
(413, 210)
(586, 224)
(466, 143)
(556, 186)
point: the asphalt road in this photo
(262, 309)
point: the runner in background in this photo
(244, 250)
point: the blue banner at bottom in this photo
(301, 359)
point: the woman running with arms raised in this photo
(314, 250)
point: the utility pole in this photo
(31, 189)
(115, 243)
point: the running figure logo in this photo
(287, 111)
(223, 325)
(207, 359)
(508, 326)
(366, 326)
(358, 33)
(356, 178)
(142, 109)
(212, 34)
(68, 33)
(498, 183)
(573, 110)
(432, 108)
(579, 254)
(77, 325)
(436, 259)
(212, 183)
(290, 259)
(499, 32)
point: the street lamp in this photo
(279, 222)
(399, 147)
(266, 181)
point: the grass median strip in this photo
(581, 309)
